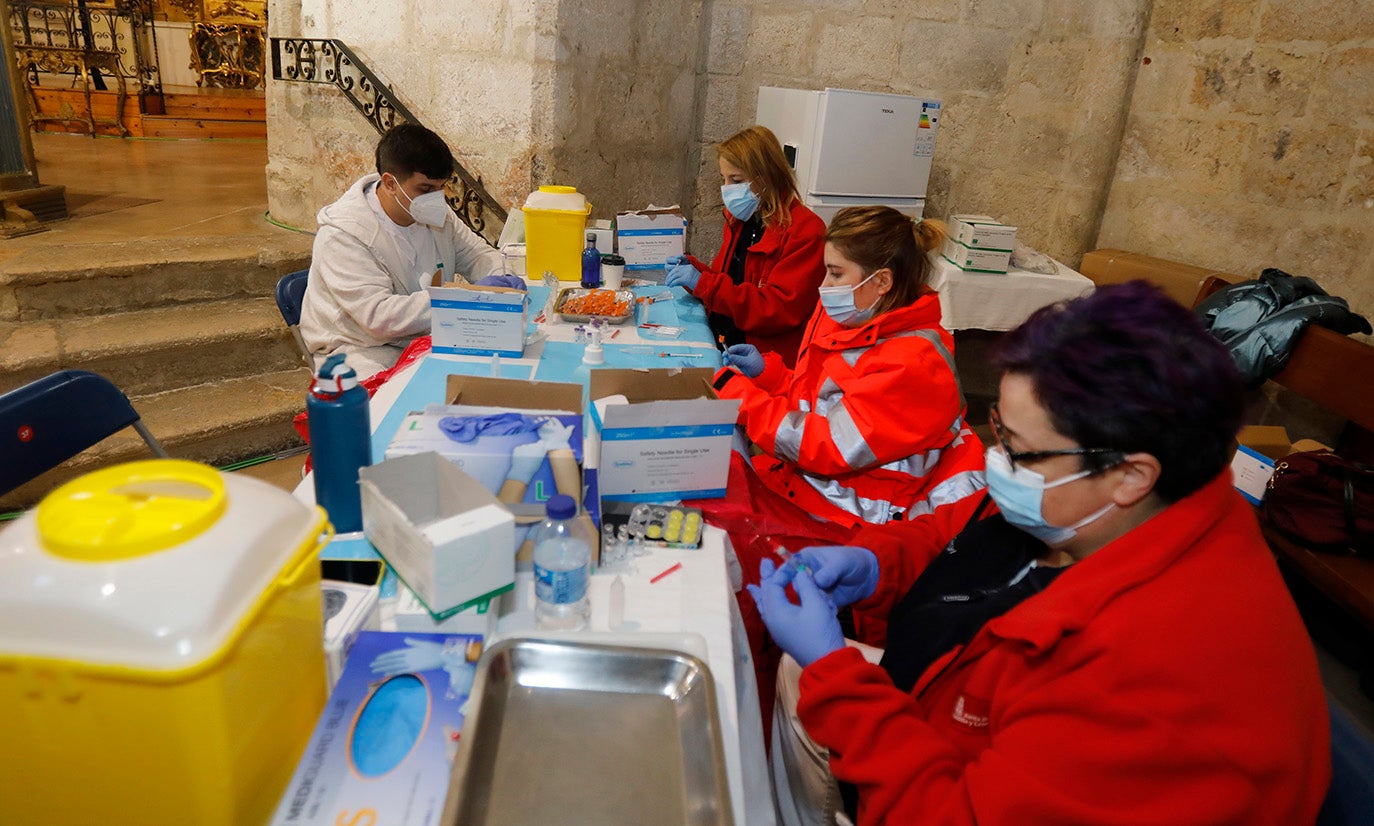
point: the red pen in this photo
(676, 566)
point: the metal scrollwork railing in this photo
(120, 27)
(317, 60)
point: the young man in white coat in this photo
(380, 245)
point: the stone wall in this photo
(1250, 142)
(1033, 93)
(471, 71)
(601, 96)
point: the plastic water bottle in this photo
(562, 567)
(591, 264)
(340, 441)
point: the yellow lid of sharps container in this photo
(130, 510)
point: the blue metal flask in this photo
(340, 441)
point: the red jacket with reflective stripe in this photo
(869, 425)
(782, 275)
(1166, 678)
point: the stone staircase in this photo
(188, 329)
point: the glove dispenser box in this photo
(161, 658)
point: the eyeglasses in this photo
(1028, 456)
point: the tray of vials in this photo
(579, 304)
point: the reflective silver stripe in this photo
(788, 438)
(879, 511)
(829, 396)
(848, 440)
(917, 464)
(934, 339)
(852, 355)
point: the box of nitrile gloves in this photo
(384, 745)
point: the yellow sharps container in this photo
(555, 232)
(160, 648)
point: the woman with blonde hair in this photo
(868, 428)
(761, 287)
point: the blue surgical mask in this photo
(839, 303)
(1018, 493)
(740, 200)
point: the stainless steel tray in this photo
(568, 293)
(569, 732)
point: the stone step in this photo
(49, 281)
(218, 422)
(148, 351)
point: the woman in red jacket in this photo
(761, 287)
(869, 426)
(1116, 646)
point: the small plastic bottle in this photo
(340, 441)
(562, 568)
(591, 264)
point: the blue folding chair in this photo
(48, 421)
(1350, 800)
(290, 296)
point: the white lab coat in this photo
(360, 297)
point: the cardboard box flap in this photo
(519, 394)
(645, 385)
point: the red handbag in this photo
(1323, 501)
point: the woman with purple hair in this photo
(1108, 641)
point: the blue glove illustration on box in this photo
(427, 655)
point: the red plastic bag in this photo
(413, 352)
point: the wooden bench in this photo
(1336, 372)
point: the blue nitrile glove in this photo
(419, 655)
(682, 273)
(845, 573)
(677, 259)
(807, 631)
(745, 358)
(468, 428)
(515, 282)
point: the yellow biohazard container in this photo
(161, 655)
(555, 232)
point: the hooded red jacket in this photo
(1166, 678)
(869, 426)
(783, 271)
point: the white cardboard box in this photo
(982, 231)
(478, 321)
(447, 536)
(348, 609)
(649, 237)
(973, 259)
(673, 439)
(412, 615)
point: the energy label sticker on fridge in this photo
(925, 129)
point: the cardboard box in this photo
(672, 441)
(478, 321)
(1270, 441)
(974, 259)
(982, 232)
(1179, 281)
(412, 615)
(349, 772)
(446, 535)
(649, 237)
(349, 609)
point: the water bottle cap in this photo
(561, 506)
(335, 376)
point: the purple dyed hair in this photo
(1128, 368)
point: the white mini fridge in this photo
(852, 148)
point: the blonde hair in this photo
(879, 236)
(758, 154)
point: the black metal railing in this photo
(123, 28)
(328, 61)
